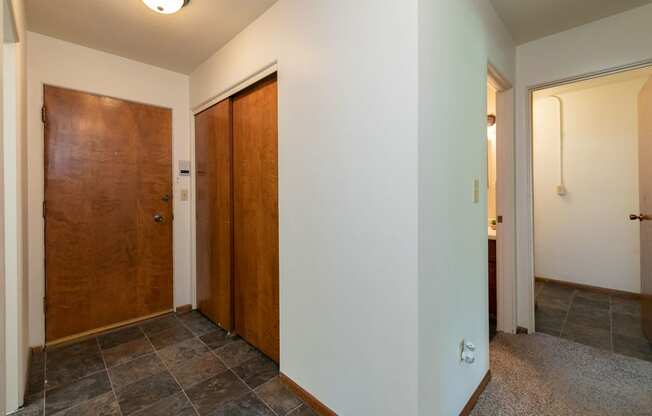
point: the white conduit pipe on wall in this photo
(561, 188)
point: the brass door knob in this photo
(640, 217)
(158, 218)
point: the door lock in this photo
(640, 217)
(158, 218)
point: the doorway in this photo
(237, 215)
(592, 144)
(492, 223)
(500, 204)
(107, 210)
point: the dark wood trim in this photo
(476, 395)
(36, 349)
(183, 309)
(589, 288)
(104, 330)
(314, 403)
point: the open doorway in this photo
(500, 205)
(592, 148)
(491, 207)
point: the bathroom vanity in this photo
(492, 274)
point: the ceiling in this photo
(533, 19)
(179, 42)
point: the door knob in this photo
(158, 217)
(640, 217)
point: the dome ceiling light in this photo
(166, 6)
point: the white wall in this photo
(456, 41)
(618, 40)
(59, 63)
(586, 236)
(17, 324)
(347, 92)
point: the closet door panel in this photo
(214, 247)
(256, 216)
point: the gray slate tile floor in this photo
(608, 322)
(176, 365)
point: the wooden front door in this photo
(255, 179)
(108, 212)
(213, 155)
(645, 196)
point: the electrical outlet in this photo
(467, 352)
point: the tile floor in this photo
(177, 365)
(604, 321)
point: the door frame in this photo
(42, 86)
(526, 250)
(235, 88)
(506, 231)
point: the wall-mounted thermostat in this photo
(184, 168)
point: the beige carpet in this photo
(544, 375)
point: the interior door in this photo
(256, 216)
(108, 212)
(213, 155)
(645, 195)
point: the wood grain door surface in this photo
(108, 172)
(255, 155)
(213, 155)
(645, 196)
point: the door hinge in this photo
(44, 209)
(44, 118)
(499, 219)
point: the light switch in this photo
(184, 194)
(184, 168)
(476, 191)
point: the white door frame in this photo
(526, 233)
(505, 207)
(11, 393)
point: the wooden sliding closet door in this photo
(256, 216)
(108, 211)
(213, 154)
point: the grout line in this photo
(171, 374)
(611, 324)
(45, 374)
(570, 305)
(108, 374)
(214, 351)
(256, 393)
(296, 408)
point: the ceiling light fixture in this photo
(166, 6)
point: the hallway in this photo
(177, 365)
(548, 376)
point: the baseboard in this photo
(476, 395)
(183, 309)
(36, 349)
(317, 406)
(100, 331)
(589, 288)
